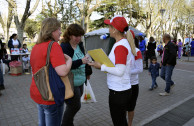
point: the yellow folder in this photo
(100, 56)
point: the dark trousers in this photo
(166, 74)
(154, 81)
(1, 79)
(134, 95)
(146, 60)
(7, 62)
(73, 105)
(119, 102)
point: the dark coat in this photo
(10, 44)
(151, 50)
(3, 54)
(67, 49)
(170, 52)
(154, 69)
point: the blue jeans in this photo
(154, 81)
(1, 78)
(50, 115)
(166, 73)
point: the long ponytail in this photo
(131, 41)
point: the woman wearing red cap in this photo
(118, 77)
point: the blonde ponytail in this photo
(131, 41)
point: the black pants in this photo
(7, 62)
(119, 102)
(73, 105)
(134, 95)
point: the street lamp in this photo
(162, 13)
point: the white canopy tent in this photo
(93, 41)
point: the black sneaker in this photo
(0, 94)
(145, 68)
(2, 87)
(150, 89)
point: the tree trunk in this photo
(21, 24)
(20, 33)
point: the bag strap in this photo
(48, 53)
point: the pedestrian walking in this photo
(160, 49)
(142, 45)
(167, 64)
(192, 47)
(150, 50)
(2, 87)
(180, 45)
(154, 72)
(4, 55)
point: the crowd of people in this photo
(127, 54)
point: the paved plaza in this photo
(17, 108)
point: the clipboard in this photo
(100, 56)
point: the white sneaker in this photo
(164, 94)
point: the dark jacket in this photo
(170, 52)
(1, 43)
(10, 44)
(67, 49)
(151, 50)
(154, 69)
(3, 54)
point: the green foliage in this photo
(30, 45)
(31, 28)
(107, 10)
(96, 24)
(70, 13)
(122, 7)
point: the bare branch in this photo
(2, 22)
(35, 6)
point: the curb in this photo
(159, 113)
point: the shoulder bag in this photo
(41, 78)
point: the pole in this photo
(83, 21)
(189, 37)
(162, 28)
(162, 13)
(83, 15)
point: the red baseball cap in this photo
(118, 22)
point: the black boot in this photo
(2, 87)
(145, 68)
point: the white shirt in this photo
(25, 59)
(136, 67)
(119, 82)
(15, 42)
(25, 50)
